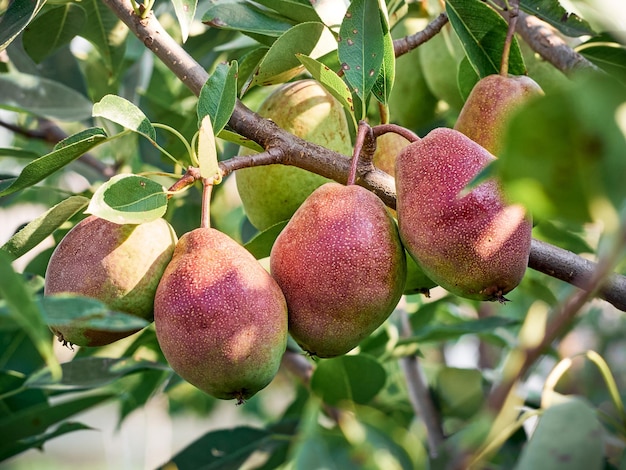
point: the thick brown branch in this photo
(545, 258)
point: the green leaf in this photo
(106, 33)
(63, 309)
(355, 378)
(246, 18)
(129, 199)
(16, 152)
(37, 442)
(40, 228)
(384, 83)
(445, 332)
(261, 245)
(569, 436)
(482, 32)
(248, 63)
(65, 152)
(561, 235)
(361, 45)
(16, 17)
(90, 372)
(34, 420)
(294, 10)
(329, 80)
(609, 56)
(207, 152)
(229, 449)
(218, 96)
(280, 64)
(53, 29)
(553, 13)
(185, 12)
(22, 307)
(42, 97)
(563, 154)
(126, 114)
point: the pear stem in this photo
(385, 128)
(207, 189)
(513, 15)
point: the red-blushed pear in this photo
(220, 318)
(475, 245)
(120, 265)
(341, 266)
(489, 106)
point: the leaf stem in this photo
(513, 13)
(190, 152)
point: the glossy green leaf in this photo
(40, 228)
(16, 152)
(63, 154)
(561, 235)
(294, 10)
(568, 437)
(280, 64)
(38, 441)
(129, 199)
(34, 420)
(329, 80)
(248, 63)
(384, 83)
(218, 96)
(361, 45)
(106, 33)
(185, 12)
(126, 114)
(42, 97)
(16, 17)
(53, 29)
(355, 378)
(90, 372)
(482, 32)
(563, 154)
(261, 245)
(229, 449)
(445, 332)
(609, 56)
(22, 307)
(244, 17)
(553, 13)
(63, 309)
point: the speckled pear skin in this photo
(120, 265)
(271, 193)
(220, 318)
(490, 104)
(473, 245)
(341, 266)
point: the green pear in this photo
(120, 265)
(411, 103)
(341, 266)
(388, 147)
(440, 57)
(475, 245)
(486, 112)
(271, 193)
(220, 318)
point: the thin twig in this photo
(406, 44)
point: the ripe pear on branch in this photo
(220, 318)
(272, 193)
(475, 245)
(120, 265)
(341, 266)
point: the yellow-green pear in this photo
(272, 193)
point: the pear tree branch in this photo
(545, 258)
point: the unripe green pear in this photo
(474, 245)
(388, 147)
(220, 318)
(486, 112)
(341, 266)
(120, 265)
(272, 193)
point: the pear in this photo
(271, 193)
(474, 245)
(490, 104)
(220, 318)
(388, 147)
(341, 266)
(120, 265)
